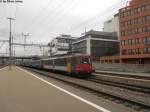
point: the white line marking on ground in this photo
(67, 92)
(3, 68)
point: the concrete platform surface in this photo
(20, 91)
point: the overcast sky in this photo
(46, 19)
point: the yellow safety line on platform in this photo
(67, 92)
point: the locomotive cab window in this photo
(85, 60)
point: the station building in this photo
(60, 45)
(96, 44)
(134, 28)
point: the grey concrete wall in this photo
(121, 67)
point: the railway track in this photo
(139, 98)
(144, 82)
(126, 86)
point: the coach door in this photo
(69, 68)
(74, 61)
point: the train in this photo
(79, 65)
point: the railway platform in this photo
(22, 91)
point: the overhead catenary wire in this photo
(43, 19)
(91, 19)
(54, 15)
(35, 18)
(60, 17)
(98, 16)
(57, 19)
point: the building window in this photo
(137, 40)
(130, 41)
(140, 30)
(146, 50)
(128, 12)
(133, 51)
(145, 7)
(126, 42)
(135, 21)
(136, 30)
(146, 40)
(143, 29)
(135, 10)
(129, 51)
(122, 33)
(123, 42)
(124, 52)
(139, 10)
(137, 51)
(146, 29)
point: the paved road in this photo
(21, 92)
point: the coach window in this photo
(74, 60)
(62, 62)
(50, 62)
